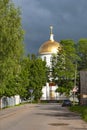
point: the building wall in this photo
(49, 92)
(83, 87)
(47, 58)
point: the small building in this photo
(83, 87)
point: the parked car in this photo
(66, 102)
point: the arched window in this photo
(50, 59)
(44, 58)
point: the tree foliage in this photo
(64, 67)
(11, 47)
(18, 74)
(37, 77)
(82, 53)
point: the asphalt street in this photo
(40, 117)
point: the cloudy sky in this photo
(68, 17)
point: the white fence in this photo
(9, 101)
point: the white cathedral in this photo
(46, 51)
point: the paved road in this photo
(40, 117)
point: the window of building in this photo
(45, 58)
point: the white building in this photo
(46, 51)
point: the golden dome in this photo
(50, 46)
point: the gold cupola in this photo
(50, 46)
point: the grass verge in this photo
(81, 110)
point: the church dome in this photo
(50, 46)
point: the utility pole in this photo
(75, 88)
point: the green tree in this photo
(11, 45)
(37, 77)
(24, 77)
(82, 53)
(64, 66)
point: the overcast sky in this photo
(68, 17)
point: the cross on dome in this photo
(50, 46)
(51, 33)
(51, 29)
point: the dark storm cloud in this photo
(69, 18)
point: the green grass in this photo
(81, 110)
